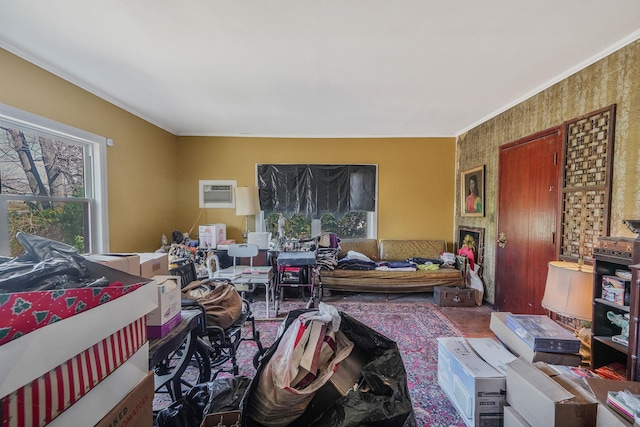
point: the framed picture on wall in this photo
(471, 239)
(472, 192)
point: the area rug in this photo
(413, 326)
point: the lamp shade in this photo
(247, 201)
(569, 290)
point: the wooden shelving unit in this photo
(611, 254)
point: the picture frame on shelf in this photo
(473, 238)
(472, 192)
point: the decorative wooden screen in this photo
(586, 185)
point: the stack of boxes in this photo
(490, 387)
(86, 356)
(519, 347)
(210, 235)
(471, 372)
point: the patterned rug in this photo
(413, 326)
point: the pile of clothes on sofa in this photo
(358, 261)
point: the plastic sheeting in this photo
(314, 190)
(219, 395)
(46, 264)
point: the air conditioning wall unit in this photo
(217, 193)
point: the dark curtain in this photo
(314, 190)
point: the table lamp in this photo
(247, 203)
(569, 290)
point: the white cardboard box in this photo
(154, 264)
(476, 389)
(260, 238)
(101, 399)
(129, 263)
(498, 325)
(169, 300)
(22, 359)
(210, 234)
(513, 419)
(545, 399)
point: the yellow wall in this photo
(141, 165)
(416, 177)
(153, 175)
(612, 80)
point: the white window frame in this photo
(95, 173)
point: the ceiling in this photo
(332, 68)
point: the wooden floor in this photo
(474, 321)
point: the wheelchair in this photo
(220, 345)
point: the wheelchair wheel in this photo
(199, 366)
(194, 371)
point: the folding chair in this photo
(246, 278)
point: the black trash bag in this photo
(188, 411)
(382, 397)
(226, 394)
(220, 395)
(46, 264)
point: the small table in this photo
(186, 332)
(296, 260)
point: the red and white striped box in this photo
(42, 400)
(100, 401)
(31, 356)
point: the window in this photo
(319, 198)
(52, 183)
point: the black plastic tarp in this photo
(46, 264)
(313, 190)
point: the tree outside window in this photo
(43, 188)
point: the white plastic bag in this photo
(278, 401)
(475, 282)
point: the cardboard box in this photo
(543, 334)
(260, 238)
(222, 419)
(513, 342)
(209, 235)
(169, 300)
(22, 359)
(475, 388)
(159, 331)
(544, 399)
(616, 289)
(24, 312)
(513, 419)
(98, 403)
(66, 385)
(607, 417)
(135, 410)
(154, 264)
(129, 263)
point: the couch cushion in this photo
(400, 250)
(390, 281)
(368, 247)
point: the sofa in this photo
(390, 281)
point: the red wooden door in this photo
(527, 211)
